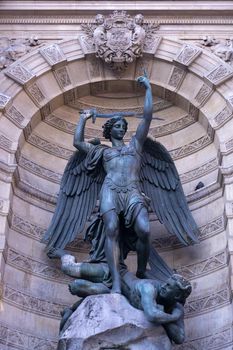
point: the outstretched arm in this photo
(79, 142)
(152, 310)
(143, 127)
(175, 330)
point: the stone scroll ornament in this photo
(119, 39)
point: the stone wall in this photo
(40, 96)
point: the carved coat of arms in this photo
(119, 39)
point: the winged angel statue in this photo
(128, 180)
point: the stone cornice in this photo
(152, 7)
(71, 19)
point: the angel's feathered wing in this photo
(80, 186)
(159, 270)
(160, 181)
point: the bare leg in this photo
(142, 229)
(111, 224)
(83, 288)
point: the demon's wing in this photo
(80, 186)
(161, 182)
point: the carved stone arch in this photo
(41, 82)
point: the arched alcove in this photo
(40, 97)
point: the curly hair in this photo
(107, 127)
(184, 286)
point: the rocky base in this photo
(109, 322)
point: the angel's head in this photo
(115, 127)
(138, 19)
(99, 19)
(176, 288)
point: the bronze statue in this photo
(128, 179)
(161, 302)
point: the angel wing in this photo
(80, 186)
(159, 270)
(160, 181)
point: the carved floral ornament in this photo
(119, 39)
(222, 48)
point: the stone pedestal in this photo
(110, 322)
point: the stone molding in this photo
(219, 74)
(45, 111)
(176, 77)
(72, 101)
(53, 54)
(32, 230)
(175, 126)
(222, 117)
(15, 116)
(35, 267)
(63, 77)
(6, 144)
(202, 170)
(20, 261)
(27, 302)
(218, 340)
(44, 200)
(188, 53)
(20, 73)
(228, 146)
(230, 101)
(206, 303)
(24, 300)
(65, 153)
(39, 170)
(203, 94)
(69, 19)
(4, 206)
(27, 130)
(157, 131)
(192, 147)
(59, 123)
(49, 147)
(19, 339)
(26, 227)
(210, 229)
(4, 101)
(205, 266)
(32, 194)
(55, 177)
(34, 92)
(7, 171)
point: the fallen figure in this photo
(162, 303)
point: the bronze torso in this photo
(122, 164)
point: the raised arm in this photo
(143, 127)
(79, 142)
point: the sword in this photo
(95, 114)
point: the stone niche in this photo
(40, 100)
